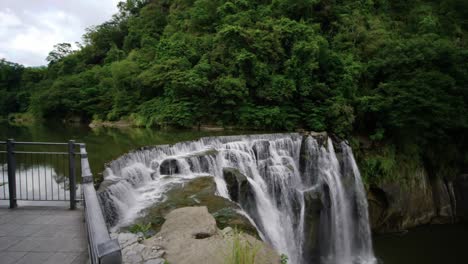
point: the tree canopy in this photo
(390, 70)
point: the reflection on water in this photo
(37, 182)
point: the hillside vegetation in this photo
(394, 72)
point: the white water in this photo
(279, 178)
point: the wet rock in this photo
(169, 167)
(111, 212)
(197, 192)
(321, 137)
(154, 165)
(261, 149)
(308, 161)
(313, 207)
(106, 183)
(200, 161)
(236, 182)
(240, 191)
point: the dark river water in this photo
(431, 244)
(436, 244)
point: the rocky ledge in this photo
(190, 235)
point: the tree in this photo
(59, 52)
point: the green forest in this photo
(389, 75)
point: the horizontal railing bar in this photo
(39, 152)
(40, 143)
(42, 200)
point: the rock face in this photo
(460, 187)
(190, 235)
(395, 207)
(444, 199)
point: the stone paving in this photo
(40, 235)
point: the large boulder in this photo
(197, 192)
(190, 235)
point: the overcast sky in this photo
(30, 28)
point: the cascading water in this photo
(307, 200)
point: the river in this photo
(427, 244)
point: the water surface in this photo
(104, 144)
(431, 244)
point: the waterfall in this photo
(306, 199)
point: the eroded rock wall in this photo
(397, 206)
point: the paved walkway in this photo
(39, 235)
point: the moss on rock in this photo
(198, 192)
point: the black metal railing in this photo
(38, 171)
(49, 174)
(102, 249)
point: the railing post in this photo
(71, 174)
(11, 172)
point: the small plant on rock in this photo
(140, 228)
(242, 251)
(284, 259)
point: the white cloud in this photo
(8, 20)
(29, 28)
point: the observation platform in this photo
(42, 234)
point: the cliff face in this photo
(460, 189)
(395, 207)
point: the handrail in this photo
(102, 249)
(42, 143)
(11, 153)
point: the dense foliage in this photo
(389, 70)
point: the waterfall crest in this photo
(306, 199)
